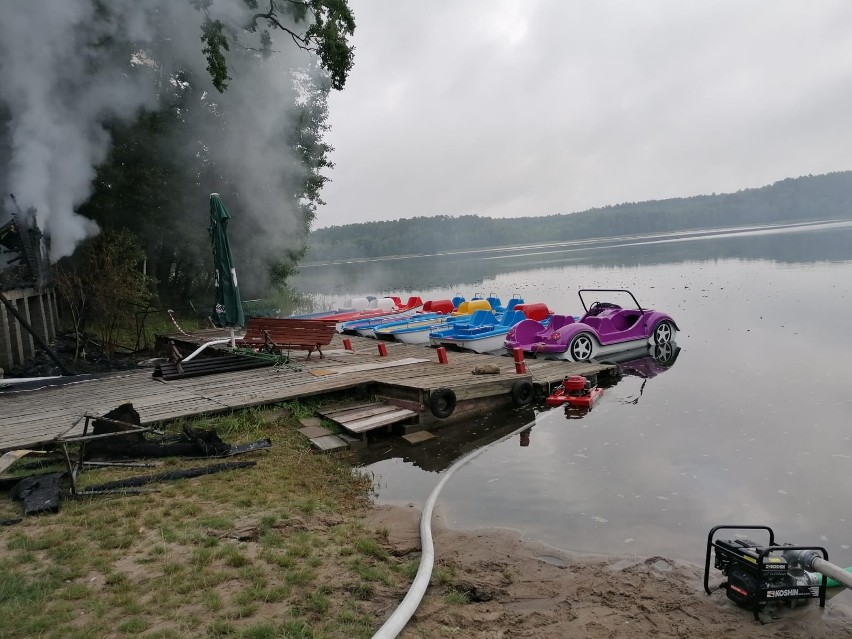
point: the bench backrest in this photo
(290, 331)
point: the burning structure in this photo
(25, 290)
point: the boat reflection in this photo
(453, 442)
(646, 363)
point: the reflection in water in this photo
(451, 443)
(721, 439)
(654, 360)
(784, 244)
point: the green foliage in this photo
(112, 268)
(811, 197)
(107, 286)
(333, 22)
(214, 50)
(328, 26)
(164, 163)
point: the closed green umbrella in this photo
(229, 307)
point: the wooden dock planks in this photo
(30, 418)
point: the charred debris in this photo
(116, 439)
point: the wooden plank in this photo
(369, 366)
(364, 425)
(483, 390)
(352, 415)
(331, 408)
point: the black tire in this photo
(442, 402)
(523, 392)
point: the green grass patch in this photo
(371, 548)
(456, 597)
(145, 565)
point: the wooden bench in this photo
(289, 334)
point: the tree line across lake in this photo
(812, 197)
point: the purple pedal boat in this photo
(604, 328)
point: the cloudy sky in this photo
(508, 108)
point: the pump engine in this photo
(761, 573)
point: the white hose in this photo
(224, 340)
(831, 570)
(396, 622)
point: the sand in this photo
(522, 589)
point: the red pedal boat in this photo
(576, 391)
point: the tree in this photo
(327, 25)
(163, 164)
(105, 287)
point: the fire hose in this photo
(396, 622)
(806, 558)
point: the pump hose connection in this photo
(811, 560)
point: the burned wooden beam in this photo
(143, 480)
(210, 366)
(261, 444)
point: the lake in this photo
(750, 425)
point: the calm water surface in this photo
(750, 425)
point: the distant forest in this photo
(813, 197)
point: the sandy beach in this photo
(523, 589)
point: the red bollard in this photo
(383, 349)
(347, 344)
(520, 364)
(442, 355)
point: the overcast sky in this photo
(509, 108)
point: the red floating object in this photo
(383, 349)
(347, 344)
(576, 391)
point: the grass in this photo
(162, 564)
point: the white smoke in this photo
(59, 88)
(58, 97)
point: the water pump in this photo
(761, 573)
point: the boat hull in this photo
(485, 344)
(600, 351)
(416, 331)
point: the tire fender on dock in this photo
(442, 402)
(522, 392)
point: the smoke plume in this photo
(59, 86)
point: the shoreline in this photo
(521, 588)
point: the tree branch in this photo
(301, 41)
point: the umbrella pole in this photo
(233, 341)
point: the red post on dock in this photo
(347, 343)
(442, 355)
(383, 349)
(520, 364)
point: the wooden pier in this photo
(405, 377)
